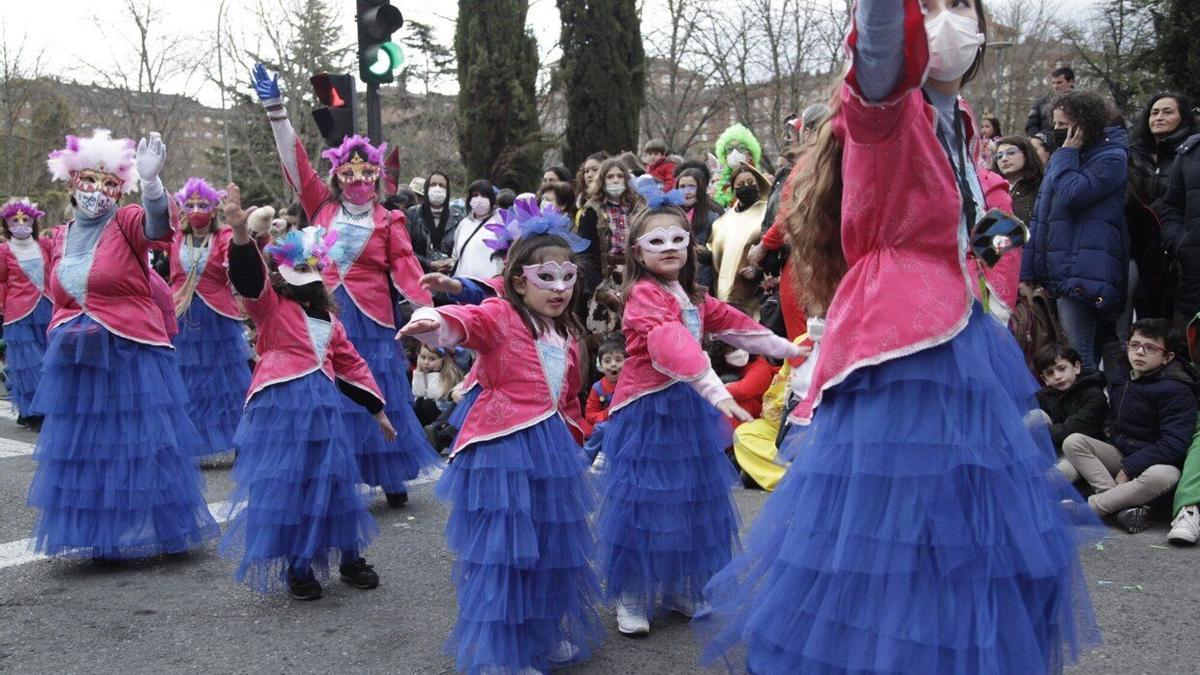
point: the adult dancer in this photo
(211, 342)
(374, 256)
(918, 529)
(24, 303)
(115, 473)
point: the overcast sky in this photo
(69, 40)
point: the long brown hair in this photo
(596, 194)
(531, 250)
(635, 269)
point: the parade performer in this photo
(24, 303)
(518, 482)
(373, 257)
(920, 528)
(735, 145)
(211, 343)
(115, 473)
(297, 501)
(668, 521)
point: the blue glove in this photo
(266, 86)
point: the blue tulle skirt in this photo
(115, 473)
(668, 521)
(383, 464)
(519, 528)
(298, 499)
(25, 344)
(213, 359)
(920, 529)
(459, 416)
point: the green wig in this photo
(739, 134)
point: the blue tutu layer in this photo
(115, 473)
(383, 464)
(920, 529)
(459, 416)
(25, 343)
(213, 361)
(668, 521)
(297, 498)
(519, 528)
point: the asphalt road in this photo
(185, 614)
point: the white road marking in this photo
(14, 448)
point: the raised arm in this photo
(151, 155)
(296, 166)
(879, 48)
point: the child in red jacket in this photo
(610, 359)
(654, 154)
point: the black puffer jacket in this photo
(1024, 194)
(1081, 409)
(1180, 212)
(1153, 418)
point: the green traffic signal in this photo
(385, 60)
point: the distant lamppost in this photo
(1000, 48)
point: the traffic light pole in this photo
(374, 114)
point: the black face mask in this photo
(1060, 137)
(311, 293)
(747, 195)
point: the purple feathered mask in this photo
(350, 144)
(525, 218)
(200, 188)
(15, 206)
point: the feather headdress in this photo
(525, 218)
(201, 188)
(100, 152)
(311, 246)
(15, 206)
(651, 190)
(350, 144)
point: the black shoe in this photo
(397, 499)
(35, 422)
(304, 588)
(359, 574)
(1134, 519)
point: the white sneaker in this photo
(631, 618)
(565, 652)
(1185, 529)
(685, 606)
(599, 463)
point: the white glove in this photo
(151, 154)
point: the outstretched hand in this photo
(732, 410)
(150, 156)
(385, 425)
(418, 327)
(265, 85)
(441, 283)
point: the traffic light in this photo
(378, 57)
(336, 118)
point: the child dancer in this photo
(24, 303)
(296, 502)
(211, 343)
(115, 475)
(917, 530)
(375, 257)
(517, 480)
(668, 521)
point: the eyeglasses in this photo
(1144, 347)
(1011, 152)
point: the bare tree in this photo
(1112, 44)
(1023, 48)
(19, 90)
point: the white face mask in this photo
(735, 158)
(437, 195)
(615, 190)
(480, 206)
(737, 358)
(954, 41)
(546, 203)
(93, 204)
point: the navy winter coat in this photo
(1181, 223)
(1153, 418)
(1079, 245)
(1082, 409)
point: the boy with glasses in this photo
(1149, 428)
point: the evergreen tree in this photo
(604, 74)
(499, 136)
(1177, 53)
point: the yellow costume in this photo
(732, 235)
(754, 442)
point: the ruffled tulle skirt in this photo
(115, 473)
(519, 528)
(25, 344)
(920, 529)
(667, 522)
(298, 499)
(213, 359)
(383, 464)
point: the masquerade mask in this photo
(551, 276)
(662, 240)
(91, 180)
(302, 254)
(197, 204)
(357, 171)
(20, 218)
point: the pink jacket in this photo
(907, 287)
(19, 295)
(387, 255)
(213, 287)
(286, 349)
(661, 350)
(515, 393)
(119, 296)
